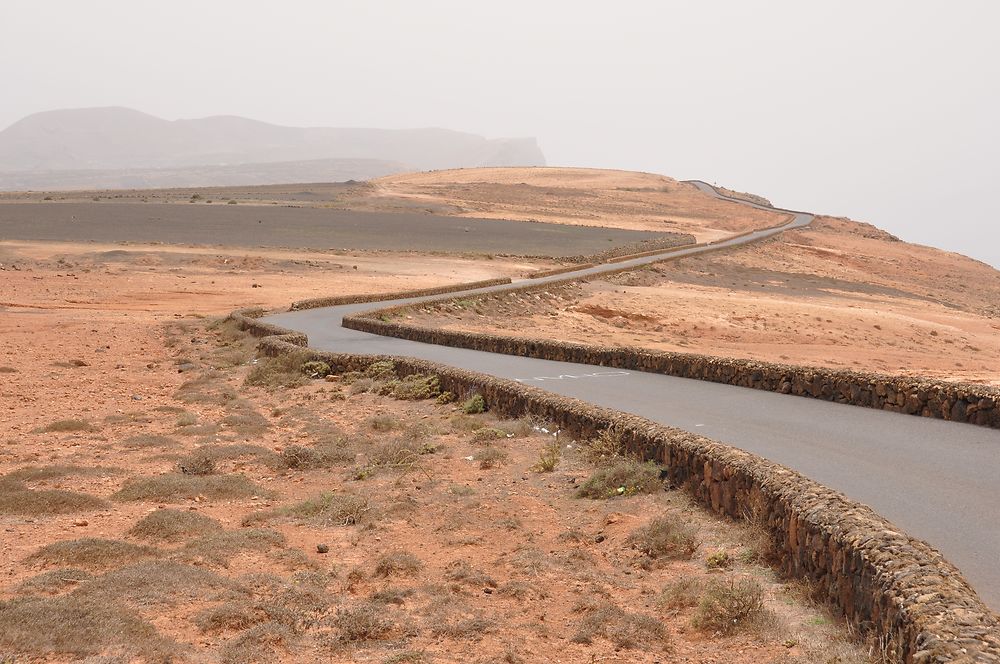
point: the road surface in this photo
(937, 480)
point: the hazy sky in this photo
(883, 111)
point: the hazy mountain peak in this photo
(117, 138)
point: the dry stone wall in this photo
(960, 402)
(882, 581)
(339, 300)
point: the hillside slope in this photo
(839, 293)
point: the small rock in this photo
(600, 538)
(80, 522)
(330, 378)
(136, 397)
(322, 548)
(79, 363)
(488, 591)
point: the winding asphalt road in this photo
(937, 480)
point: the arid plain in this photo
(166, 496)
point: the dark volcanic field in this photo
(313, 228)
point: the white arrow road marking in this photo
(596, 374)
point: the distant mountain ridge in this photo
(121, 139)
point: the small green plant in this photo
(445, 398)
(416, 387)
(474, 405)
(718, 560)
(316, 369)
(381, 370)
(548, 458)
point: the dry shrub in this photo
(326, 509)
(174, 488)
(55, 581)
(681, 594)
(38, 473)
(383, 423)
(285, 370)
(623, 628)
(364, 622)
(491, 457)
(461, 571)
(196, 464)
(237, 451)
(236, 615)
(245, 423)
(362, 385)
(489, 434)
(666, 537)
(391, 595)
(79, 627)
(148, 440)
(399, 453)
(311, 458)
(91, 553)
(257, 645)
(67, 426)
(730, 606)
(522, 590)
(169, 525)
(408, 657)
(163, 582)
(15, 498)
(219, 547)
(624, 477)
(397, 563)
(446, 617)
(604, 448)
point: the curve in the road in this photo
(936, 479)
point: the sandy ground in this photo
(114, 377)
(578, 196)
(840, 294)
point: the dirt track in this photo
(240, 225)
